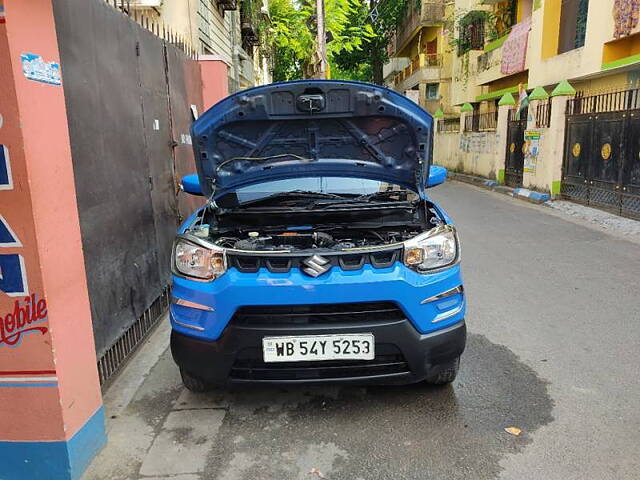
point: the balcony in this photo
(394, 66)
(490, 62)
(247, 73)
(489, 66)
(423, 68)
(427, 12)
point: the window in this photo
(471, 35)
(504, 17)
(581, 23)
(573, 25)
(432, 91)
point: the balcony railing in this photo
(543, 114)
(612, 101)
(427, 12)
(415, 63)
(449, 125)
(394, 66)
(419, 61)
(482, 122)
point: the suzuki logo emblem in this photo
(316, 266)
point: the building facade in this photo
(420, 56)
(540, 94)
(229, 30)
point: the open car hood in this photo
(312, 128)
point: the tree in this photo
(384, 16)
(290, 39)
(389, 15)
(355, 64)
(293, 38)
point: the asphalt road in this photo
(554, 322)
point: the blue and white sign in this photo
(35, 68)
(6, 182)
(13, 278)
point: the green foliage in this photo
(355, 64)
(366, 64)
(344, 20)
(358, 71)
(293, 39)
(390, 15)
(290, 39)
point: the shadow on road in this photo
(415, 431)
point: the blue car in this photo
(318, 256)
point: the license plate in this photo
(351, 346)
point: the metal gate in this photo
(129, 94)
(601, 165)
(514, 160)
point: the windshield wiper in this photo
(386, 193)
(363, 199)
(308, 193)
(294, 194)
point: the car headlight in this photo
(198, 259)
(432, 250)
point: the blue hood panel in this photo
(312, 128)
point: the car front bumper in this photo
(414, 293)
(403, 355)
(422, 332)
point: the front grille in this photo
(321, 314)
(250, 366)
(247, 263)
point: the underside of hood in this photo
(312, 128)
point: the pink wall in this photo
(41, 209)
(215, 80)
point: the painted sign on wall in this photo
(23, 319)
(13, 274)
(35, 68)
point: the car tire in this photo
(194, 384)
(447, 375)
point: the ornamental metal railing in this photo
(449, 125)
(481, 122)
(603, 102)
(543, 114)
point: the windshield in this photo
(333, 185)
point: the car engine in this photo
(342, 239)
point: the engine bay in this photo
(329, 228)
(338, 239)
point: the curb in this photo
(530, 195)
(521, 193)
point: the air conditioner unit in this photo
(145, 3)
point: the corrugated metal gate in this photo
(601, 165)
(514, 161)
(128, 95)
